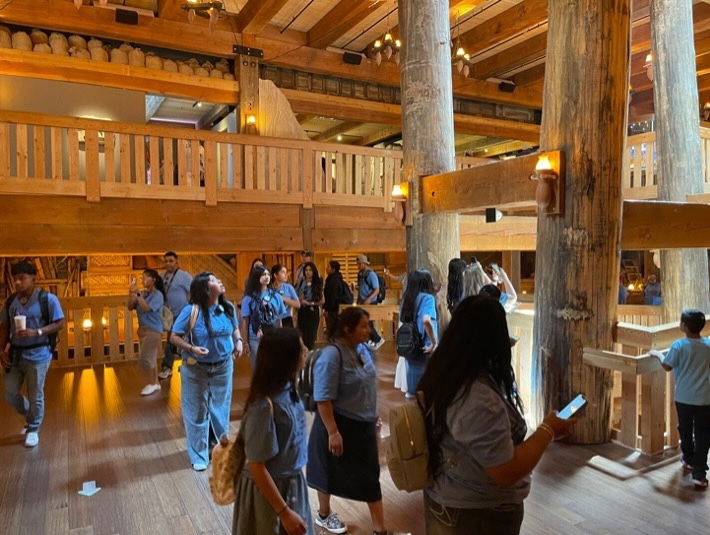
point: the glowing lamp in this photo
(545, 175)
(460, 52)
(388, 37)
(87, 324)
(378, 44)
(251, 119)
(631, 287)
(398, 43)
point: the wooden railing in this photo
(93, 158)
(640, 178)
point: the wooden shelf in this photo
(69, 69)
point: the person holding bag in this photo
(419, 307)
(271, 492)
(207, 333)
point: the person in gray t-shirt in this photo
(479, 459)
(177, 294)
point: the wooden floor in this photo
(97, 427)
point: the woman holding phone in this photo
(148, 304)
(207, 333)
(479, 459)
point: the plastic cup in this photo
(20, 323)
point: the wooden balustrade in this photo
(94, 158)
(640, 177)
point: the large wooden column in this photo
(577, 261)
(428, 130)
(684, 272)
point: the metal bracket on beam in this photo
(248, 51)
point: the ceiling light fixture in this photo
(207, 10)
(386, 46)
(460, 59)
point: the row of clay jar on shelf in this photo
(76, 46)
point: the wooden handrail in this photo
(621, 362)
(655, 337)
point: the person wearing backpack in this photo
(280, 284)
(29, 354)
(207, 333)
(261, 310)
(368, 293)
(342, 449)
(336, 292)
(310, 292)
(148, 304)
(418, 310)
(479, 460)
(271, 496)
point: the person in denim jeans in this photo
(30, 350)
(206, 332)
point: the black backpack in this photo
(305, 378)
(261, 314)
(346, 296)
(46, 319)
(409, 341)
(380, 279)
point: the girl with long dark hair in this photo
(310, 292)
(419, 306)
(454, 288)
(262, 309)
(280, 284)
(148, 304)
(207, 333)
(272, 496)
(342, 448)
(479, 460)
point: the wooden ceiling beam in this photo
(350, 109)
(256, 14)
(505, 25)
(523, 53)
(380, 135)
(530, 76)
(338, 129)
(344, 16)
(170, 9)
(284, 51)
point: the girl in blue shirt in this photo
(280, 284)
(271, 494)
(207, 333)
(419, 306)
(262, 309)
(148, 304)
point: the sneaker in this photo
(407, 395)
(165, 373)
(379, 344)
(150, 389)
(24, 430)
(331, 523)
(199, 467)
(32, 439)
(700, 483)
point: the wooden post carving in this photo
(577, 253)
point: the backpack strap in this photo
(6, 308)
(193, 319)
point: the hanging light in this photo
(206, 10)
(460, 59)
(386, 46)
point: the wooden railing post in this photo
(308, 163)
(93, 180)
(97, 331)
(210, 173)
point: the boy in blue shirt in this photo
(30, 348)
(689, 359)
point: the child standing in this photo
(689, 358)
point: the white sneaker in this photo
(150, 389)
(165, 373)
(199, 467)
(331, 523)
(379, 344)
(32, 439)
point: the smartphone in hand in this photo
(572, 407)
(496, 268)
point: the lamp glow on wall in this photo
(649, 66)
(706, 111)
(402, 203)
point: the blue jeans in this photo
(253, 348)
(32, 374)
(206, 399)
(415, 370)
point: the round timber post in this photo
(428, 131)
(684, 272)
(577, 261)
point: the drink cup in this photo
(20, 323)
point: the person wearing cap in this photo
(306, 257)
(367, 292)
(29, 322)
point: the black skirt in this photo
(355, 475)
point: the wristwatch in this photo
(39, 332)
